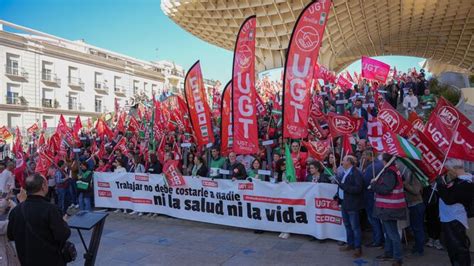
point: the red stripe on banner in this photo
(136, 200)
(105, 193)
(285, 201)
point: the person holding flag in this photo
(390, 207)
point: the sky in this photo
(137, 28)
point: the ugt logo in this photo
(307, 38)
(244, 56)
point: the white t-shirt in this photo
(7, 181)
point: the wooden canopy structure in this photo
(438, 30)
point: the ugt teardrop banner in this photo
(226, 120)
(301, 58)
(244, 116)
(197, 104)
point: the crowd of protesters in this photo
(365, 202)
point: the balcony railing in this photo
(101, 86)
(16, 100)
(16, 72)
(74, 106)
(47, 76)
(47, 103)
(98, 109)
(75, 82)
(119, 89)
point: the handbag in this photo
(68, 250)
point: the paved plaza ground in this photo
(132, 240)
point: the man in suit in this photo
(351, 195)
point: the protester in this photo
(253, 172)
(410, 102)
(37, 226)
(316, 173)
(390, 207)
(350, 194)
(236, 169)
(217, 162)
(416, 207)
(84, 187)
(62, 181)
(372, 168)
(155, 166)
(7, 180)
(199, 168)
(455, 201)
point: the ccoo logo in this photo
(307, 39)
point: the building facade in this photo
(44, 76)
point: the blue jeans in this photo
(84, 202)
(377, 231)
(393, 245)
(352, 224)
(63, 199)
(74, 193)
(417, 214)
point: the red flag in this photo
(197, 104)
(318, 149)
(20, 160)
(103, 129)
(121, 146)
(416, 121)
(41, 140)
(133, 125)
(394, 121)
(43, 164)
(4, 133)
(342, 124)
(77, 125)
(432, 158)
(102, 151)
(45, 124)
(302, 55)
(121, 123)
(226, 120)
(244, 117)
(33, 128)
(349, 77)
(346, 145)
(62, 127)
(260, 105)
(172, 174)
(444, 126)
(374, 70)
(89, 123)
(54, 143)
(343, 83)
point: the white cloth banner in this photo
(301, 208)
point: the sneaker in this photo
(117, 211)
(285, 235)
(430, 243)
(150, 215)
(438, 245)
(346, 248)
(124, 211)
(140, 213)
(76, 206)
(384, 257)
(133, 213)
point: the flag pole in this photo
(444, 160)
(383, 169)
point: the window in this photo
(14, 120)
(98, 104)
(98, 80)
(13, 64)
(72, 102)
(73, 76)
(118, 84)
(144, 86)
(13, 94)
(46, 71)
(153, 89)
(47, 100)
(135, 86)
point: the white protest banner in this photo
(301, 208)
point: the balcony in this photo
(16, 100)
(75, 83)
(50, 78)
(74, 106)
(16, 72)
(119, 90)
(101, 87)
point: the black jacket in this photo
(155, 168)
(50, 232)
(237, 170)
(353, 188)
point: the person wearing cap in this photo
(455, 201)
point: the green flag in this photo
(290, 168)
